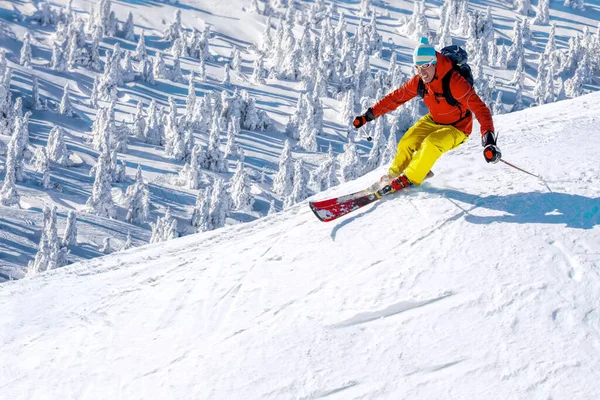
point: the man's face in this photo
(426, 72)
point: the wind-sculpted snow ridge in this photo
(482, 283)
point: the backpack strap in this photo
(450, 99)
(421, 88)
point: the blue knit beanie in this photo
(424, 53)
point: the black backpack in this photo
(459, 59)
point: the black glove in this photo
(491, 152)
(363, 119)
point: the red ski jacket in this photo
(442, 112)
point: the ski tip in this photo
(318, 212)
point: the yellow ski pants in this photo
(421, 146)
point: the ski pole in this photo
(520, 169)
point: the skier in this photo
(447, 125)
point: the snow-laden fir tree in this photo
(259, 73)
(128, 28)
(41, 164)
(241, 190)
(284, 178)
(35, 102)
(376, 155)
(226, 81)
(25, 57)
(128, 244)
(165, 228)
(236, 60)
(518, 103)
(516, 51)
(73, 53)
(58, 61)
(176, 75)
(543, 13)
(574, 85)
(56, 147)
(139, 121)
(214, 160)
(174, 29)
(137, 200)
(272, 209)
(325, 175)
(577, 4)
(174, 134)
(128, 73)
(152, 131)
(146, 71)
(8, 193)
(69, 238)
(220, 204)
(550, 96)
(190, 101)
(105, 248)
(348, 108)
(390, 148)
(101, 202)
(65, 107)
(539, 89)
(498, 106)
(112, 77)
(523, 7)
(300, 190)
(201, 213)
(141, 53)
(50, 255)
(232, 149)
(350, 163)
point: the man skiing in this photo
(447, 125)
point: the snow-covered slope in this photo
(481, 284)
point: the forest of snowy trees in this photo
(325, 52)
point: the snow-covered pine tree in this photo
(376, 155)
(190, 101)
(220, 204)
(174, 30)
(214, 160)
(174, 134)
(58, 61)
(139, 122)
(176, 74)
(539, 90)
(56, 147)
(25, 57)
(105, 248)
(8, 193)
(498, 106)
(128, 244)
(65, 107)
(226, 81)
(518, 103)
(325, 176)
(283, 180)
(299, 191)
(233, 129)
(49, 255)
(152, 131)
(101, 202)
(201, 213)
(240, 189)
(69, 238)
(350, 164)
(128, 28)
(128, 73)
(272, 209)
(137, 200)
(543, 13)
(146, 71)
(390, 148)
(41, 165)
(550, 96)
(35, 102)
(259, 73)
(140, 51)
(236, 60)
(516, 51)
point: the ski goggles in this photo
(427, 65)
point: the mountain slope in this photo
(483, 283)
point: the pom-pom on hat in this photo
(424, 53)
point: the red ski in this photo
(331, 209)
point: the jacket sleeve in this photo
(466, 96)
(396, 98)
